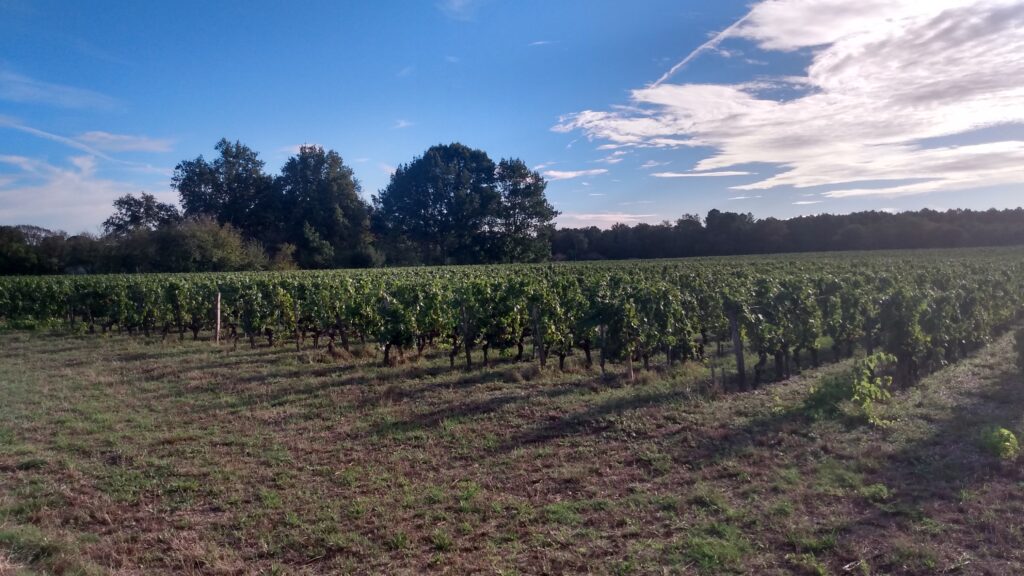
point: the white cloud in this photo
(884, 76)
(459, 9)
(699, 174)
(806, 202)
(400, 124)
(615, 157)
(569, 174)
(452, 59)
(70, 198)
(124, 142)
(18, 88)
(543, 165)
(601, 219)
(744, 197)
(653, 164)
(405, 72)
(294, 149)
(94, 143)
(541, 43)
(711, 44)
(386, 168)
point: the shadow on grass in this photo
(948, 480)
(593, 420)
(466, 410)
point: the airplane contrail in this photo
(700, 49)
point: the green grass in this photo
(130, 455)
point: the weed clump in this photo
(1002, 443)
(857, 392)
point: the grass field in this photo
(130, 456)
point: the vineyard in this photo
(926, 309)
(570, 418)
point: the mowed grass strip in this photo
(141, 456)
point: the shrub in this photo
(1001, 442)
(861, 389)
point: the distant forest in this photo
(452, 205)
(729, 233)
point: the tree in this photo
(233, 189)
(327, 219)
(444, 204)
(202, 245)
(524, 217)
(569, 244)
(142, 212)
(16, 255)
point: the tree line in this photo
(731, 233)
(451, 205)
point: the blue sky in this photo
(635, 111)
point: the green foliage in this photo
(323, 212)
(132, 214)
(716, 548)
(646, 312)
(454, 205)
(861, 388)
(441, 541)
(1001, 443)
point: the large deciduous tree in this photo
(233, 189)
(440, 205)
(523, 224)
(142, 212)
(326, 218)
(454, 205)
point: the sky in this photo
(634, 111)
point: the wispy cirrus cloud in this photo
(460, 9)
(96, 143)
(23, 89)
(615, 157)
(653, 164)
(73, 197)
(542, 43)
(711, 44)
(718, 174)
(110, 142)
(570, 174)
(71, 142)
(884, 77)
(294, 149)
(601, 219)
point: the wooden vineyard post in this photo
(217, 329)
(538, 337)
